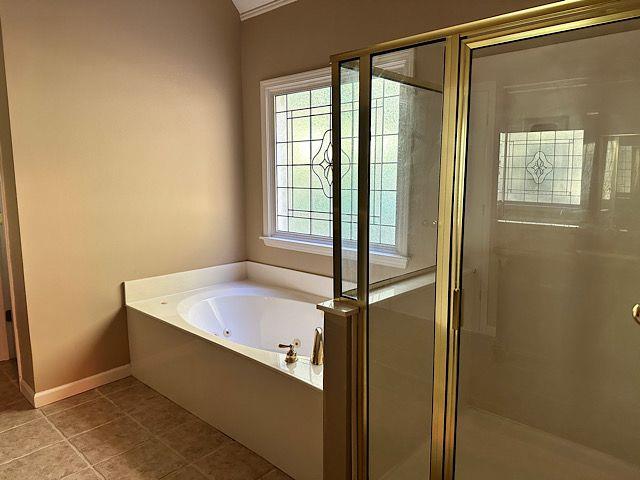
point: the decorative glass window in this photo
(385, 121)
(303, 162)
(541, 167)
(297, 161)
(625, 161)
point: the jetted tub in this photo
(208, 340)
(255, 315)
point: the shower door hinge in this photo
(456, 312)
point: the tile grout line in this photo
(32, 451)
(21, 424)
(112, 457)
(47, 417)
(98, 395)
(134, 420)
(97, 389)
(122, 413)
(193, 463)
(73, 447)
(119, 417)
(157, 437)
(68, 408)
(64, 439)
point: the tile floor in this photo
(121, 431)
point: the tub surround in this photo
(167, 298)
(147, 288)
(252, 395)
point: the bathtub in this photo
(255, 315)
(208, 340)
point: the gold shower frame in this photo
(460, 41)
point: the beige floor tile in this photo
(27, 438)
(112, 387)
(69, 402)
(148, 461)
(186, 473)
(16, 414)
(160, 415)
(119, 446)
(276, 475)
(110, 439)
(130, 398)
(234, 462)
(195, 439)
(51, 463)
(9, 392)
(87, 474)
(10, 369)
(83, 417)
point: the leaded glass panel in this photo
(541, 167)
(303, 153)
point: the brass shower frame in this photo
(460, 41)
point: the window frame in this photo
(390, 256)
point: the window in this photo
(297, 162)
(625, 162)
(541, 167)
(619, 159)
(303, 162)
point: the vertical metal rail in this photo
(442, 360)
(336, 158)
(364, 148)
(455, 293)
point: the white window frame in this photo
(401, 62)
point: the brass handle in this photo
(635, 312)
(291, 356)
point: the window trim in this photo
(319, 78)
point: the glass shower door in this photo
(549, 369)
(404, 174)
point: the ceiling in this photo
(252, 8)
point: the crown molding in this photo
(271, 5)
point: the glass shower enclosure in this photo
(487, 236)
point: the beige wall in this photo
(301, 36)
(11, 227)
(126, 128)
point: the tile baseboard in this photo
(40, 399)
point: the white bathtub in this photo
(255, 315)
(208, 340)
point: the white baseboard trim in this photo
(40, 399)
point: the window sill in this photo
(379, 258)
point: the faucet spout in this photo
(317, 356)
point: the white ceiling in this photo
(251, 8)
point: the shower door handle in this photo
(635, 312)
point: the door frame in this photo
(461, 41)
